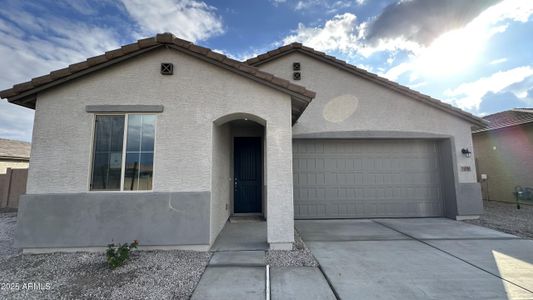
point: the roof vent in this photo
(296, 76)
(296, 66)
(167, 69)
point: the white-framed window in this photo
(123, 152)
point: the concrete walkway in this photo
(237, 270)
(432, 258)
(242, 236)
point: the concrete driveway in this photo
(431, 258)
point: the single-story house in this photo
(504, 153)
(162, 140)
(14, 155)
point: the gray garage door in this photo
(366, 178)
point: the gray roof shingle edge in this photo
(31, 87)
(13, 149)
(273, 54)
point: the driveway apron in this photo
(430, 258)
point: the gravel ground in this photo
(8, 220)
(147, 275)
(300, 256)
(505, 217)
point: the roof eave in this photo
(24, 94)
(501, 127)
(27, 98)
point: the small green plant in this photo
(117, 255)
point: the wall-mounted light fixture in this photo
(466, 152)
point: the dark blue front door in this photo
(248, 175)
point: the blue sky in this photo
(473, 54)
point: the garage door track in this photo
(426, 258)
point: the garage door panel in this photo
(366, 178)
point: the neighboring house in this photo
(162, 140)
(14, 155)
(504, 153)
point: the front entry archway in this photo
(265, 175)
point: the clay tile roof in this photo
(513, 117)
(298, 47)
(24, 94)
(11, 149)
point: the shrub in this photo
(117, 255)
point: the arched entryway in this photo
(238, 168)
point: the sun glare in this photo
(451, 52)
(458, 50)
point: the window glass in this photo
(139, 152)
(108, 143)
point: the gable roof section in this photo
(298, 47)
(14, 150)
(25, 93)
(508, 118)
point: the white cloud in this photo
(35, 44)
(415, 86)
(498, 61)
(190, 19)
(395, 72)
(251, 52)
(52, 44)
(15, 122)
(320, 6)
(446, 54)
(339, 33)
(60, 44)
(300, 5)
(469, 95)
(81, 6)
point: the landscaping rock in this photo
(8, 222)
(507, 218)
(300, 256)
(147, 275)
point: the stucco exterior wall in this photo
(193, 98)
(345, 102)
(61, 162)
(221, 178)
(506, 156)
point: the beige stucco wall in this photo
(196, 95)
(13, 165)
(346, 102)
(221, 178)
(506, 156)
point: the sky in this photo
(473, 54)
